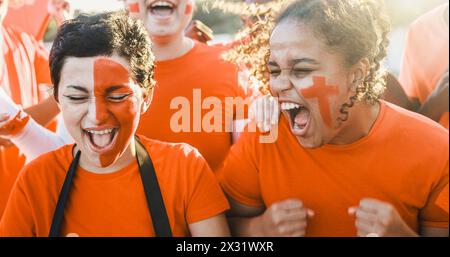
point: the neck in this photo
(126, 159)
(171, 49)
(361, 119)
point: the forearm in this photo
(432, 109)
(246, 226)
(35, 140)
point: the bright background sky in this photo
(96, 5)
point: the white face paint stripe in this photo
(92, 108)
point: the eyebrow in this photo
(79, 88)
(113, 88)
(307, 60)
(296, 61)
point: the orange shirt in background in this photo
(37, 18)
(113, 204)
(26, 67)
(426, 56)
(403, 161)
(201, 68)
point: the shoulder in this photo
(415, 124)
(430, 17)
(415, 134)
(47, 168)
(170, 152)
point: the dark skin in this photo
(437, 103)
(395, 94)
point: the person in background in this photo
(424, 75)
(24, 68)
(182, 67)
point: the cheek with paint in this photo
(322, 93)
(189, 8)
(133, 6)
(108, 73)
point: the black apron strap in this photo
(58, 216)
(153, 194)
(152, 191)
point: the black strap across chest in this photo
(155, 202)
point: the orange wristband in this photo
(15, 126)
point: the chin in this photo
(308, 143)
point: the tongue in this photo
(101, 140)
(162, 11)
(302, 117)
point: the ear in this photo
(147, 100)
(358, 73)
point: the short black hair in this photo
(103, 35)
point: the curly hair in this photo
(103, 35)
(356, 29)
(252, 47)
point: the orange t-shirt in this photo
(403, 161)
(26, 67)
(37, 18)
(113, 204)
(203, 69)
(426, 56)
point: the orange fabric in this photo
(113, 204)
(426, 56)
(37, 19)
(201, 68)
(403, 161)
(26, 67)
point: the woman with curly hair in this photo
(345, 163)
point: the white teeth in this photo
(100, 132)
(289, 106)
(162, 4)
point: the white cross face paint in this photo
(101, 105)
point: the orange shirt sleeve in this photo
(17, 220)
(435, 213)
(205, 197)
(239, 176)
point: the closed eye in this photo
(301, 72)
(118, 97)
(274, 72)
(76, 98)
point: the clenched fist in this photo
(377, 218)
(288, 218)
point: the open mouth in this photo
(299, 117)
(103, 140)
(161, 8)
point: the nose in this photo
(281, 83)
(98, 110)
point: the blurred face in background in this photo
(163, 19)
